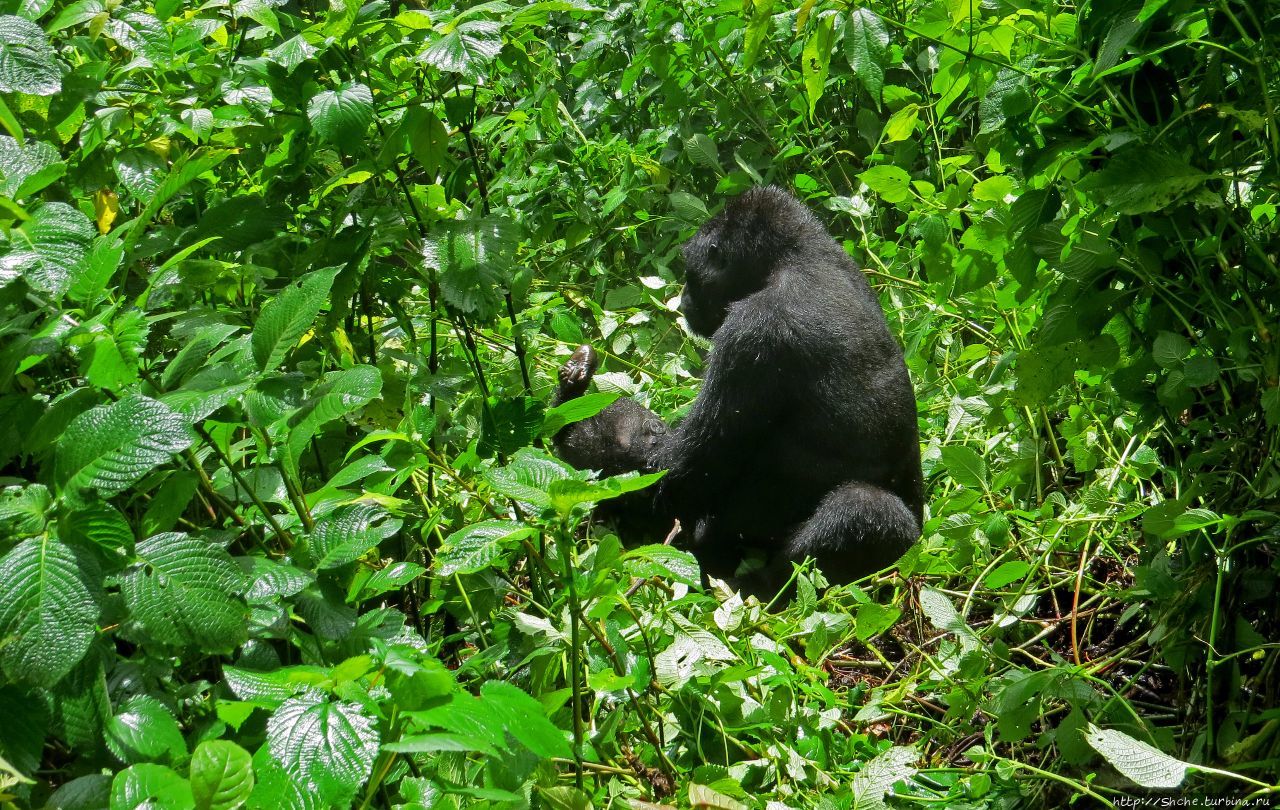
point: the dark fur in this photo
(803, 439)
(624, 437)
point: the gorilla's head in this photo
(735, 253)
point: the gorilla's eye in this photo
(714, 248)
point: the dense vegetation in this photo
(283, 289)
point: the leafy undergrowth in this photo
(283, 290)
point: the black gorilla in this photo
(803, 440)
(624, 437)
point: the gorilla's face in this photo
(705, 300)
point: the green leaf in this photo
(394, 576)
(761, 13)
(467, 49)
(1006, 573)
(866, 46)
(341, 393)
(1148, 766)
(478, 546)
(27, 168)
(569, 492)
(965, 466)
(49, 247)
(110, 447)
(187, 169)
(286, 317)
(877, 777)
(575, 410)
(348, 533)
(24, 510)
(994, 189)
(509, 424)
(688, 207)
(890, 182)
(815, 60)
(145, 731)
(183, 591)
(474, 259)
(528, 477)
(325, 747)
(28, 63)
(1140, 180)
(657, 560)
(342, 116)
(150, 786)
(47, 610)
(524, 719)
(428, 138)
(702, 151)
(221, 775)
(902, 124)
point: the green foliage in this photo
(283, 292)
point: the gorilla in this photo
(802, 441)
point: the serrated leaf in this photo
(688, 207)
(467, 49)
(394, 576)
(291, 53)
(815, 59)
(965, 466)
(183, 172)
(476, 547)
(183, 591)
(528, 476)
(702, 151)
(325, 747)
(27, 168)
(340, 393)
(878, 776)
(23, 510)
(154, 787)
(866, 46)
(47, 611)
(110, 447)
(663, 561)
(342, 116)
(474, 260)
(348, 533)
(145, 731)
(568, 493)
(49, 247)
(221, 775)
(1140, 180)
(1148, 766)
(28, 63)
(524, 719)
(287, 316)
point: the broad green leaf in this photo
(965, 466)
(325, 747)
(994, 189)
(221, 775)
(28, 63)
(394, 576)
(342, 116)
(866, 46)
(467, 49)
(1006, 573)
(291, 53)
(350, 532)
(877, 777)
(528, 477)
(474, 260)
(890, 182)
(150, 786)
(49, 247)
(575, 410)
(286, 317)
(688, 207)
(24, 510)
(341, 393)
(1148, 766)
(428, 138)
(570, 492)
(761, 13)
(815, 59)
(902, 124)
(140, 171)
(1140, 180)
(509, 424)
(110, 447)
(145, 731)
(663, 561)
(27, 168)
(874, 618)
(47, 610)
(525, 719)
(478, 546)
(184, 591)
(702, 151)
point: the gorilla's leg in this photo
(857, 529)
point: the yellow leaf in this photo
(106, 207)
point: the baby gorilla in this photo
(624, 437)
(802, 441)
